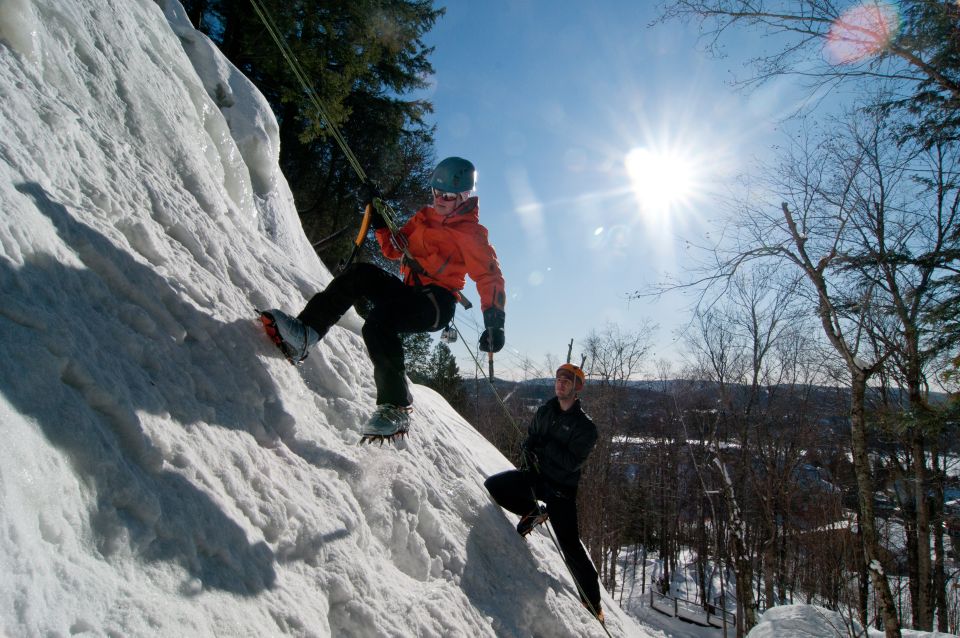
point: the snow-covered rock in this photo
(810, 621)
(163, 471)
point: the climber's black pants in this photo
(397, 308)
(514, 490)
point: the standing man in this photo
(559, 439)
(443, 242)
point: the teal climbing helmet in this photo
(454, 175)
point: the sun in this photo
(662, 180)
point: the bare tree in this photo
(813, 234)
(751, 343)
(828, 43)
(904, 210)
(617, 356)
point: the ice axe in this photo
(364, 226)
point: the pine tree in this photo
(444, 377)
(416, 348)
(362, 58)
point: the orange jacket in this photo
(448, 248)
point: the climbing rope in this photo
(298, 72)
(490, 381)
(385, 210)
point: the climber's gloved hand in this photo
(493, 338)
(369, 192)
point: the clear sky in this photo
(549, 99)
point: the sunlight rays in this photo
(662, 179)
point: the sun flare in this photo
(661, 180)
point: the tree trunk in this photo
(232, 42)
(746, 607)
(863, 601)
(196, 11)
(782, 567)
(924, 568)
(769, 567)
(939, 570)
(871, 543)
(643, 570)
(703, 555)
(858, 424)
(613, 552)
(910, 541)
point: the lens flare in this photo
(861, 32)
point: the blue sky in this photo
(548, 98)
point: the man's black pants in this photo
(397, 308)
(514, 491)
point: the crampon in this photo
(382, 438)
(388, 423)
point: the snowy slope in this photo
(810, 621)
(163, 471)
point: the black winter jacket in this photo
(561, 441)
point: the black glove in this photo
(376, 220)
(369, 192)
(492, 339)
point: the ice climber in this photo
(444, 242)
(559, 439)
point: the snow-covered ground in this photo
(657, 613)
(163, 471)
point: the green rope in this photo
(583, 595)
(386, 211)
(298, 72)
(492, 387)
(307, 86)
